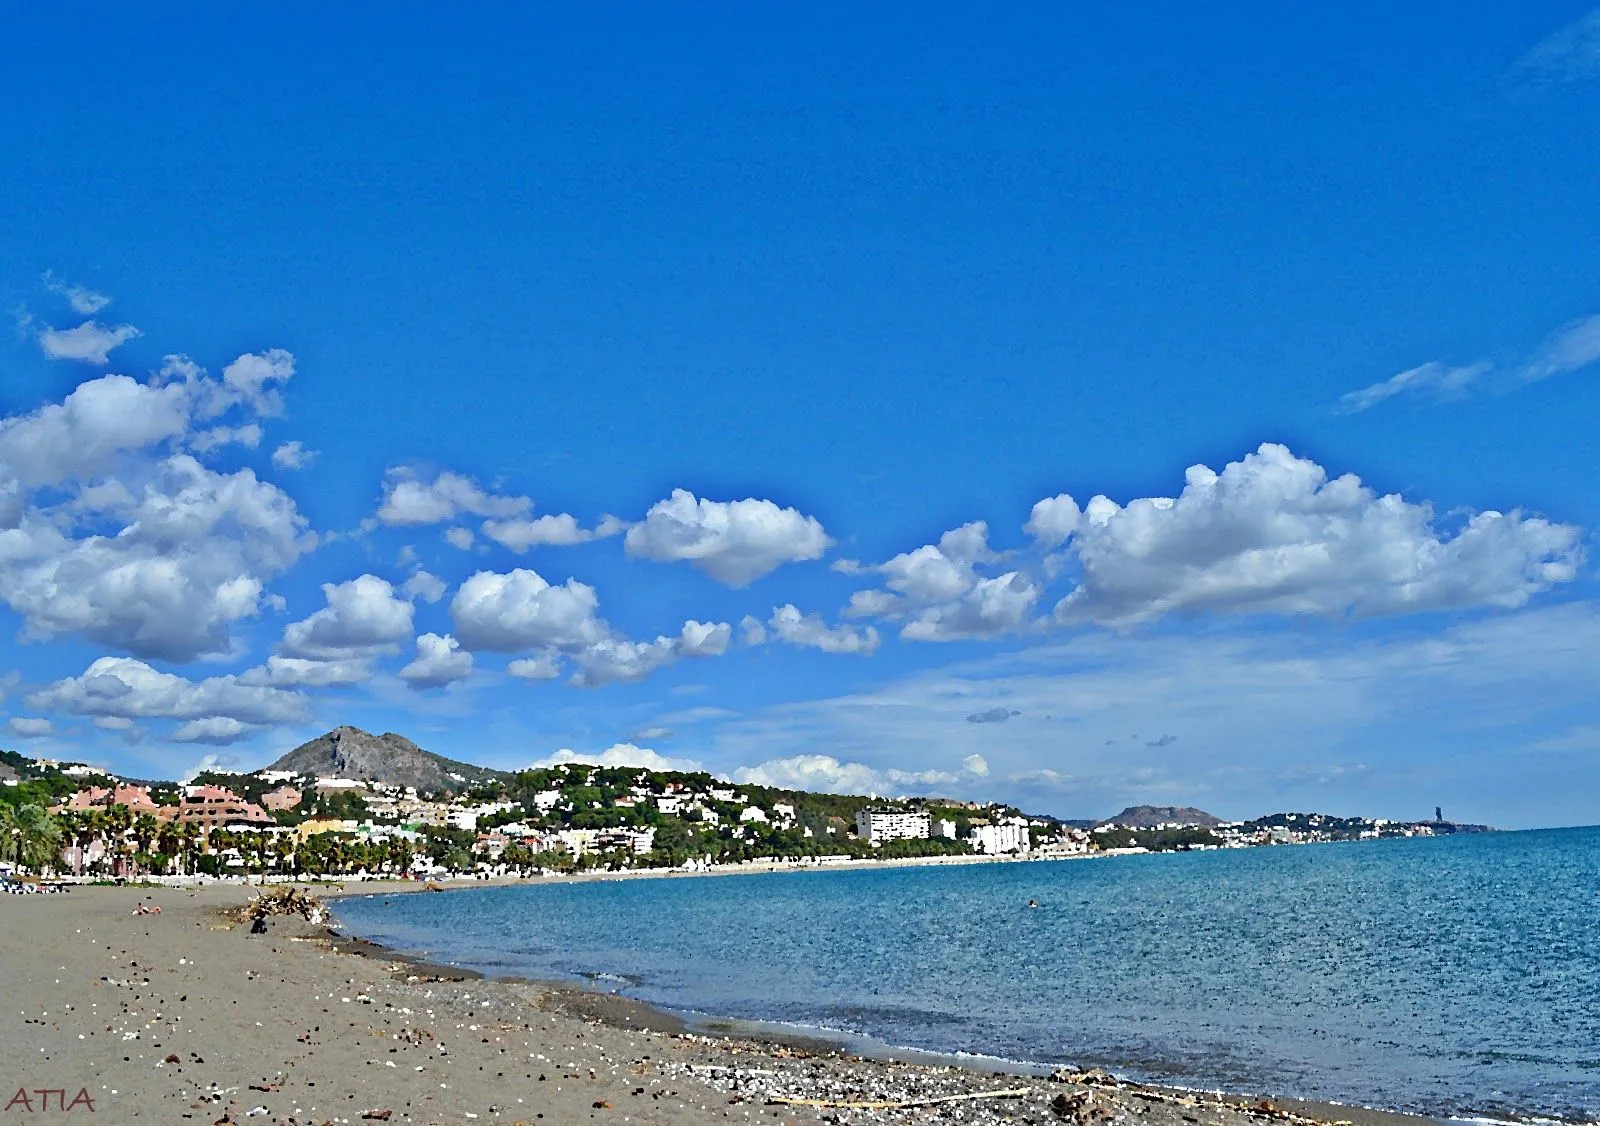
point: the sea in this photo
(1450, 976)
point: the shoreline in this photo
(184, 1016)
(608, 1006)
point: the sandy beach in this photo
(185, 1016)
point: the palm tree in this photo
(145, 828)
(167, 844)
(118, 820)
(10, 834)
(189, 839)
(37, 838)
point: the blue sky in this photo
(623, 382)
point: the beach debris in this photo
(378, 1115)
(901, 1104)
(286, 901)
(1082, 1106)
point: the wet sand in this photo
(185, 1016)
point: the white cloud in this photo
(461, 539)
(213, 730)
(1271, 534)
(826, 774)
(362, 616)
(1571, 54)
(248, 435)
(429, 588)
(83, 301)
(735, 542)
(792, 627)
(125, 688)
(25, 727)
(81, 436)
(255, 380)
(439, 661)
(409, 501)
(1572, 347)
(293, 455)
(752, 631)
(184, 558)
(619, 754)
(939, 592)
(994, 606)
(1053, 520)
(91, 342)
(616, 660)
(521, 534)
(519, 610)
(291, 672)
(704, 639)
(542, 666)
(1433, 380)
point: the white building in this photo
(945, 829)
(1009, 836)
(669, 804)
(877, 825)
(753, 813)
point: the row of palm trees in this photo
(132, 844)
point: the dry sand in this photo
(183, 1017)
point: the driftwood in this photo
(868, 1104)
(1261, 1108)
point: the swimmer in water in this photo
(1033, 903)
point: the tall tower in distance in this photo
(1438, 813)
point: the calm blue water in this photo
(1447, 976)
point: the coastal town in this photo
(71, 820)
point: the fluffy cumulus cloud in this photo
(618, 754)
(440, 660)
(301, 672)
(29, 727)
(792, 627)
(519, 611)
(617, 660)
(735, 542)
(1272, 534)
(128, 689)
(560, 530)
(90, 342)
(826, 774)
(112, 528)
(541, 666)
(363, 616)
(409, 500)
(943, 591)
(158, 572)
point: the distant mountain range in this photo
(1149, 816)
(349, 752)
